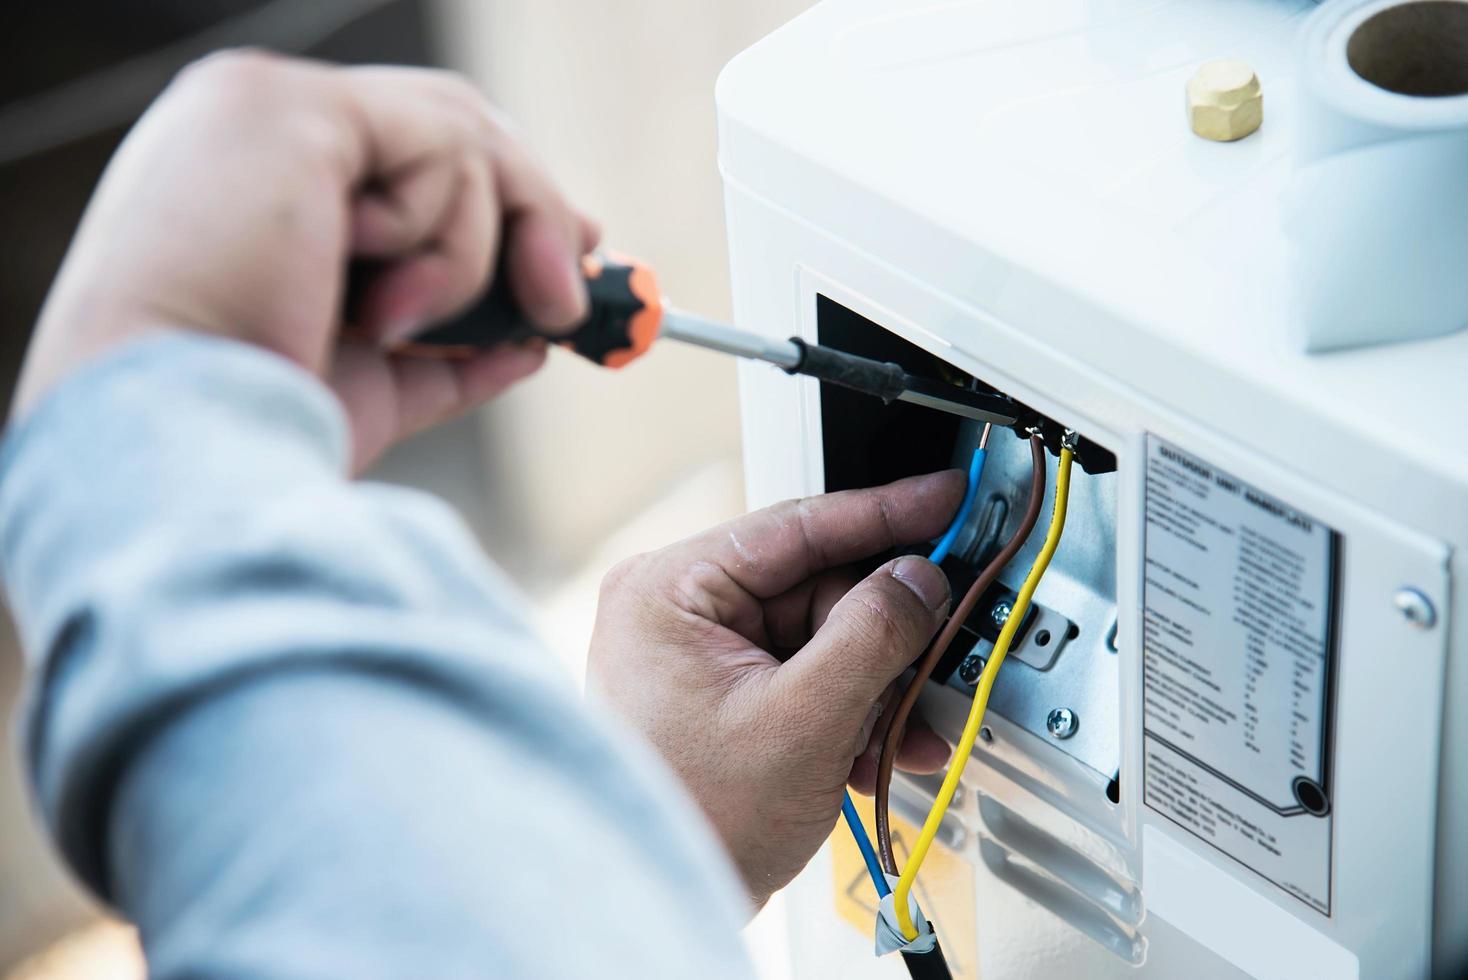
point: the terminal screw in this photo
(970, 669)
(1000, 613)
(1224, 101)
(1062, 723)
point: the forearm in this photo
(273, 705)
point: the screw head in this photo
(1062, 723)
(1415, 608)
(1000, 613)
(970, 669)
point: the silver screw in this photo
(1062, 722)
(1000, 613)
(1415, 608)
(970, 669)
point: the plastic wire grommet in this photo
(888, 933)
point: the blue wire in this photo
(848, 809)
(975, 472)
(864, 844)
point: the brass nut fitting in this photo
(1225, 102)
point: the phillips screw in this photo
(970, 669)
(1062, 723)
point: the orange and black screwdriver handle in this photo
(624, 317)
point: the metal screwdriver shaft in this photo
(627, 314)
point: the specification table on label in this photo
(1237, 663)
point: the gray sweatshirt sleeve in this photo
(294, 726)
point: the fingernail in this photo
(925, 580)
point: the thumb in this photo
(869, 638)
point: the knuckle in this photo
(704, 591)
(891, 613)
(622, 576)
(884, 514)
(249, 88)
(794, 516)
(465, 92)
(874, 623)
(498, 123)
(232, 71)
(319, 136)
(467, 100)
(794, 507)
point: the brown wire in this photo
(888, 755)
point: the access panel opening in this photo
(1062, 663)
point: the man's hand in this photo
(760, 667)
(236, 203)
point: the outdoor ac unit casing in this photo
(1013, 187)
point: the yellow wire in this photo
(981, 701)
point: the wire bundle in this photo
(940, 552)
(893, 739)
(981, 697)
(887, 757)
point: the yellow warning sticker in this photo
(945, 889)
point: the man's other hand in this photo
(760, 665)
(237, 202)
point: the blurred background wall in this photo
(560, 478)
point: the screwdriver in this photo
(627, 313)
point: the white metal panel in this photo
(1380, 794)
(1239, 924)
(1388, 713)
(907, 164)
